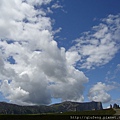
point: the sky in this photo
(59, 50)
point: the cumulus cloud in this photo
(33, 70)
(40, 70)
(98, 46)
(72, 57)
(99, 92)
(73, 87)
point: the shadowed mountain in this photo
(76, 106)
(7, 108)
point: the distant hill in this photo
(7, 108)
(77, 106)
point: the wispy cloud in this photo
(56, 6)
(113, 74)
(115, 101)
(98, 46)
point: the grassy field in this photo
(57, 116)
(93, 112)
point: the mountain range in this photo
(8, 108)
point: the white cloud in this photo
(72, 57)
(99, 46)
(99, 92)
(118, 66)
(17, 93)
(71, 89)
(38, 2)
(56, 6)
(40, 66)
(57, 31)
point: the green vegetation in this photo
(57, 116)
(60, 111)
(109, 111)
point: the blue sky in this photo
(77, 17)
(52, 51)
(82, 16)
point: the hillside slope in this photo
(7, 108)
